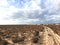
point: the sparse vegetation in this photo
(21, 34)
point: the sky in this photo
(29, 11)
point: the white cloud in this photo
(26, 20)
(3, 3)
(55, 17)
(18, 21)
(6, 11)
(34, 5)
(32, 8)
(52, 17)
(12, 10)
(9, 21)
(52, 4)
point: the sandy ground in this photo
(44, 36)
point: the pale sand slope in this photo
(50, 38)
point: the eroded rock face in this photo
(45, 36)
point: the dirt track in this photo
(44, 36)
(50, 37)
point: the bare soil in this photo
(30, 34)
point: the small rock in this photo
(16, 40)
(35, 40)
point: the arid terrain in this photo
(48, 34)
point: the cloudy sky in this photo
(29, 11)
